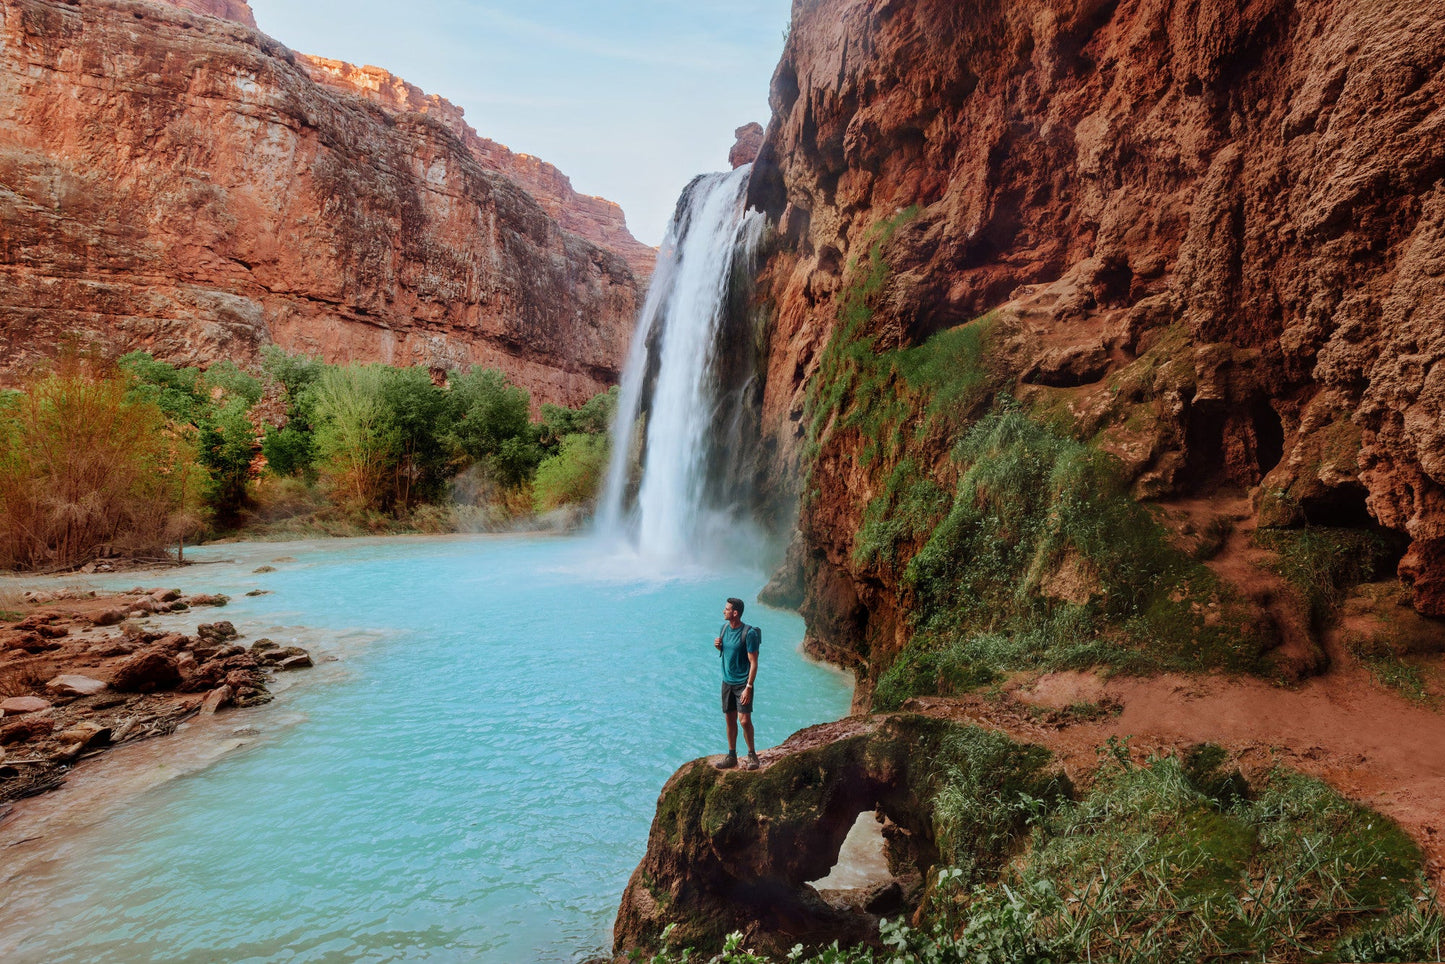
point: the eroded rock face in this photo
(183, 184)
(749, 142)
(1258, 187)
(733, 850)
(237, 10)
(597, 219)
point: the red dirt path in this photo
(1371, 745)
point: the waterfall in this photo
(672, 381)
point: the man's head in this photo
(733, 609)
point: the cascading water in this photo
(672, 377)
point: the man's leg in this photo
(746, 719)
(732, 719)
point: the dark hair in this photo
(736, 603)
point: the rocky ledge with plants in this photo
(1102, 354)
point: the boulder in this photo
(204, 678)
(262, 569)
(302, 661)
(259, 592)
(733, 850)
(107, 648)
(174, 642)
(26, 728)
(216, 633)
(215, 699)
(146, 672)
(34, 643)
(109, 617)
(208, 599)
(263, 645)
(165, 595)
(71, 684)
(37, 620)
(17, 705)
(279, 653)
(84, 734)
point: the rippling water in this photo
(474, 782)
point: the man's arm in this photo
(752, 668)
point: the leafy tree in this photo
(418, 414)
(226, 378)
(296, 374)
(593, 418)
(178, 392)
(291, 449)
(213, 408)
(492, 425)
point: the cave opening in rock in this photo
(1268, 434)
(862, 860)
(1228, 445)
(1345, 507)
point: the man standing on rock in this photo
(738, 644)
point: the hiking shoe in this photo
(727, 762)
(751, 763)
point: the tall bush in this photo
(573, 475)
(355, 441)
(83, 465)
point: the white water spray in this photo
(681, 321)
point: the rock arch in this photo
(733, 850)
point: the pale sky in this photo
(629, 98)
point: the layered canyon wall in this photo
(175, 181)
(1250, 195)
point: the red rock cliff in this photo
(179, 183)
(596, 219)
(1262, 181)
(237, 10)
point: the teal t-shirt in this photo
(735, 651)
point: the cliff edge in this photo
(180, 183)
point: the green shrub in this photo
(1323, 562)
(989, 790)
(573, 475)
(355, 442)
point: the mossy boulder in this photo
(734, 850)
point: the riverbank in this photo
(83, 672)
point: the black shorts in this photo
(732, 698)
